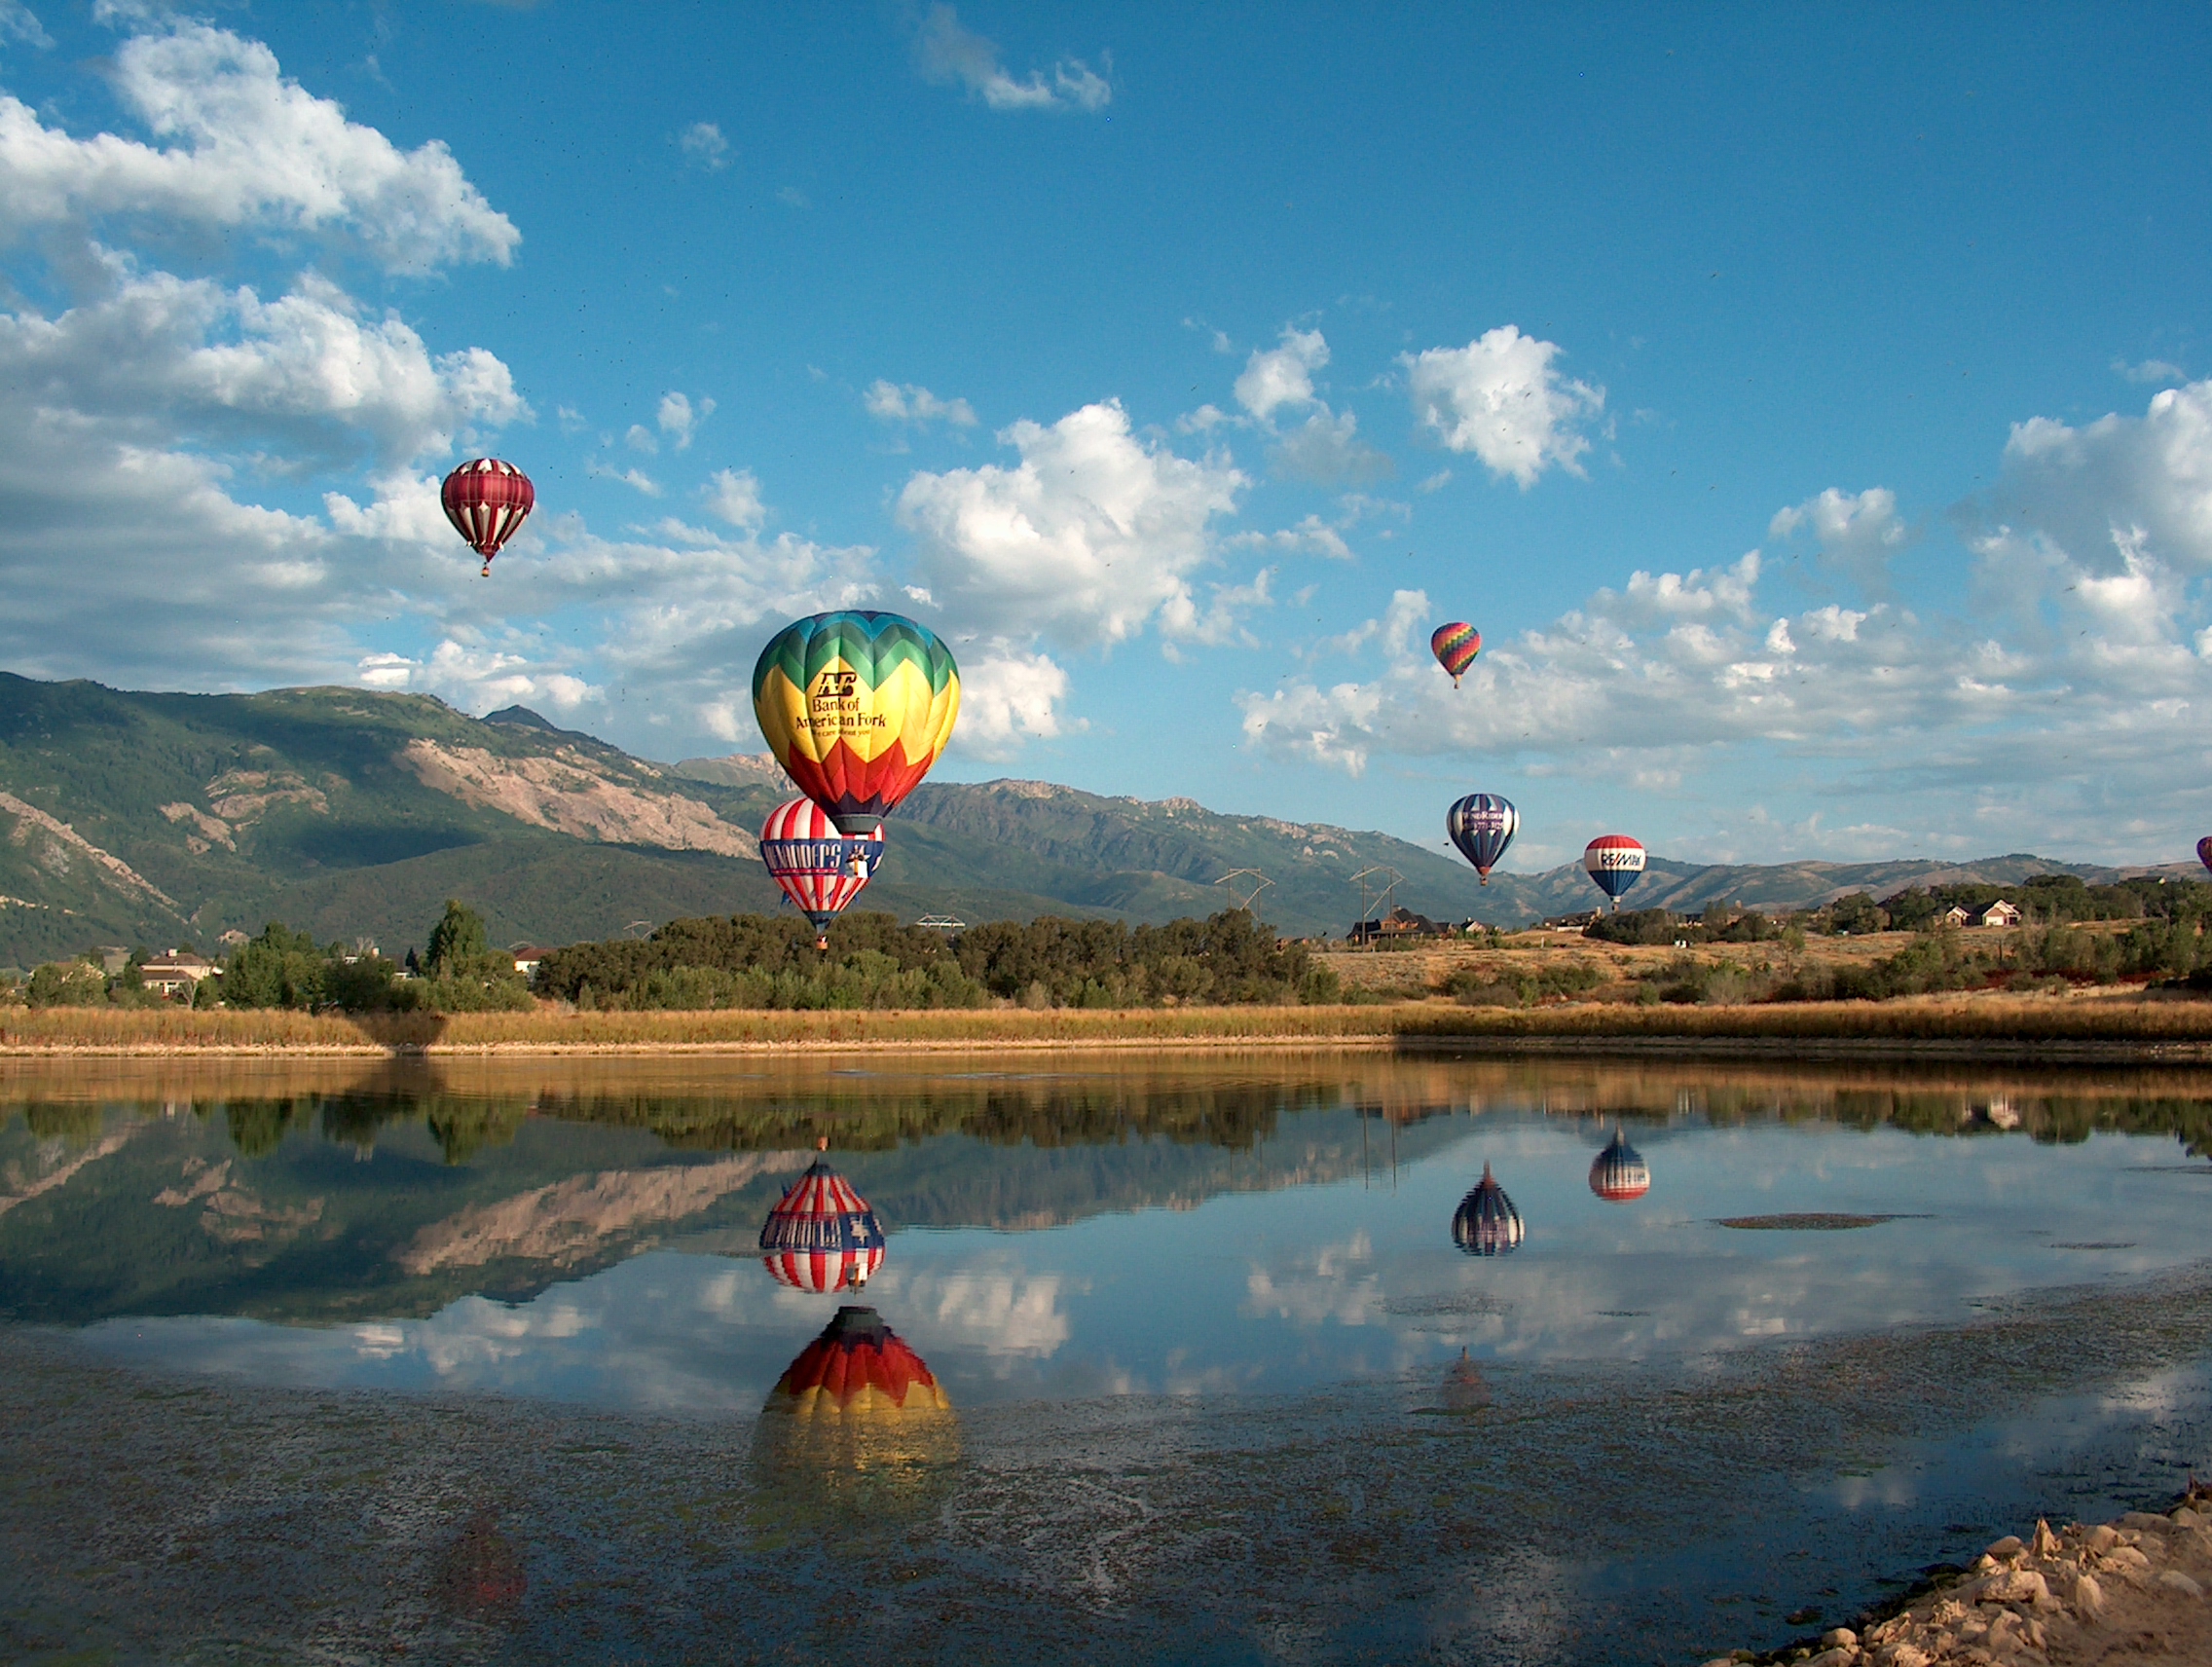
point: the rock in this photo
(1832, 1658)
(2126, 1557)
(2144, 1519)
(2087, 1598)
(2182, 1583)
(1839, 1638)
(2013, 1586)
(2184, 1517)
(1721, 1662)
(2008, 1546)
(2044, 1544)
(1904, 1655)
(2101, 1538)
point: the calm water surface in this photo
(331, 1364)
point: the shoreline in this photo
(2124, 1027)
(2129, 1590)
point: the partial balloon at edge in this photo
(1486, 1223)
(855, 706)
(1455, 647)
(487, 501)
(819, 868)
(1613, 862)
(2204, 850)
(1482, 824)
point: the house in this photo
(1954, 916)
(527, 956)
(178, 973)
(1999, 913)
(1397, 926)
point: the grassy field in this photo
(2114, 1021)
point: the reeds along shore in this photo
(2116, 1024)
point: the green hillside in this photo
(166, 819)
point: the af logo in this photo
(835, 686)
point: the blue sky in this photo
(1809, 410)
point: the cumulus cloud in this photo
(895, 403)
(734, 496)
(679, 418)
(1094, 533)
(478, 678)
(2150, 370)
(950, 52)
(19, 23)
(239, 145)
(1282, 375)
(1501, 398)
(703, 146)
(1008, 697)
(1326, 450)
(1857, 533)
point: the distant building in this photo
(1570, 923)
(1999, 913)
(178, 973)
(1955, 916)
(527, 956)
(1398, 925)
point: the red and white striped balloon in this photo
(822, 1235)
(487, 501)
(819, 868)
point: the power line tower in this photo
(1374, 903)
(1246, 895)
(942, 923)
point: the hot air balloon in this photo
(856, 1433)
(820, 1236)
(486, 501)
(1455, 647)
(1486, 1222)
(1482, 824)
(2204, 850)
(1614, 863)
(856, 707)
(1620, 1175)
(819, 868)
(1463, 1388)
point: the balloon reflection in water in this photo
(858, 1421)
(820, 1236)
(1486, 1222)
(1619, 1175)
(1463, 1388)
(480, 1572)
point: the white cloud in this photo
(1090, 536)
(1857, 534)
(1311, 536)
(1008, 697)
(477, 678)
(1282, 375)
(704, 146)
(909, 403)
(791, 197)
(1501, 398)
(948, 53)
(641, 439)
(19, 23)
(734, 496)
(679, 418)
(631, 477)
(1326, 449)
(242, 147)
(2150, 370)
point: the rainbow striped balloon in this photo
(1455, 647)
(855, 706)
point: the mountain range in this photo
(166, 819)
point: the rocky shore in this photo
(2133, 1591)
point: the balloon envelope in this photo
(819, 868)
(1482, 824)
(1620, 1175)
(855, 706)
(2204, 850)
(487, 501)
(1455, 647)
(1614, 861)
(1486, 1222)
(820, 1236)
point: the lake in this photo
(468, 1361)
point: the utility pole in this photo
(1252, 893)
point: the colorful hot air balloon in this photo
(856, 707)
(819, 868)
(856, 1435)
(1614, 863)
(2204, 850)
(1486, 1222)
(1482, 824)
(1455, 647)
(1620, 1175)
(486, 501)
(820, 1236)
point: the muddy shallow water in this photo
(454, 1365)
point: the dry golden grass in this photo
(2119, 1019)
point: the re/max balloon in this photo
(2204, 850)
(855, 706)
(819, 868)
(1455, 647)
(1614, 861)
(487, 501)
(1482, 824)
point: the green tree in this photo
(67, 984)
(281, 968)
(456, 940)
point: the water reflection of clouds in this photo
(1316, 1284)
